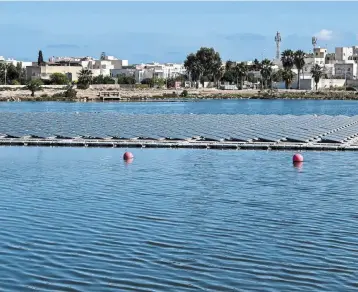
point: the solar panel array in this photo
(244, 128)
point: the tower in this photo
(278, 41)
(314, 42)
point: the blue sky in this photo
(168, 31)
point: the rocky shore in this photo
(92, 95)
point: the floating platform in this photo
(269, 132)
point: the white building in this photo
(166, 70)
(15, 62)
(125, 71)
(98, 67)
(346, 70)
(344, 53)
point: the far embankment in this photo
(115, 92)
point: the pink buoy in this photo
(297, 158)
(128, 156)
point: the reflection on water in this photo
(80, 219)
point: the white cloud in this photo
(324, 35)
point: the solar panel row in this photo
(260, 128)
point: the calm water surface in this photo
(265, 107)
(79, 219)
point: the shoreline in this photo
(167, 95)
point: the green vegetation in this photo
(123, 79)
(34, 85)
(84, 79)
(58, 79)
(70, 93)
(184, 93)
(316, 72)
(299, 61)
(266, 73)
(15, 75)
(205, 63)
(40, 59)
(287, 59)
(154, 82)
(100, 79)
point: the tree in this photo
(299, 60)
(193, 67)
(240, 73)
(266, 72)
(148, 81)
(229, 65)
(287, 59)
(40, 59)
(34, 85)
(58, 79)
(316, 72)
(84, 79)
(100, 79)
(229, 76)
(159, 82)
(218, 72)
(256, 65)
(123, 79)
(14, 74)
(204, 63)
(287, 76)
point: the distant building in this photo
(44, 72)
(157, 70)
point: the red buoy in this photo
(298, 165)
(128, 156)
(297, 158)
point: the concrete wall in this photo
(44, 72)
(105, 86)
(308, 84)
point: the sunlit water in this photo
(264, 107)
(80, 219)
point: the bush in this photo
(184, 93)
(15, 82)
(70, 93)
(58, 79)
(141, 86)
(83, 86)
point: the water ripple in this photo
(186, 220)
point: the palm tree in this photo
(256, 65)
(316, 72)
(299, 60)
(241, 72)
(287, 59)
(287, 76)
(85, 78)
(218, 72)
(34, 85)
(266, 72)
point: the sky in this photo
(168, 31)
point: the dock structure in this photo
(108, 129)
(109, 95)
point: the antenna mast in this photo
(314, 42)
(278, 41)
